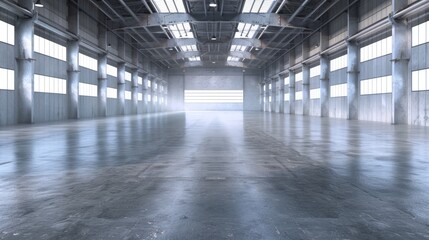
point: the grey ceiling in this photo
(287, 20)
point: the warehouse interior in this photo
(214, 119)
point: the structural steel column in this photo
(267, 95)
(121, 88)
(24, 72)
(352, 66)
(135, 91)
(102, 85)
(281, 93)
(73, 79)
(305, 89)
(400, 61)
(291, 92)
(324, 74)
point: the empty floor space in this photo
(214, 175)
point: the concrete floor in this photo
(214, 175)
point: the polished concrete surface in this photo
(214, 175)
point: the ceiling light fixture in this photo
(38, 4)
(213, 38)
(213, 4)
(257, 49)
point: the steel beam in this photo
(324, 74)
(134, 91)
(291, 92)
(305, 79)
(281, 83)
(102, 85)
(73, 79)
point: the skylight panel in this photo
(238, 48)
(257, 6)
(181, 30)
(169, 6)
(232, 59)
(195, 59)
(189, 48)
(246, 30)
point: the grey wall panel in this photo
(88, 76)
(176, 89)
(49, 107)
(7, 107)
(251, 93)
(128, 107)
(376, 107)
(88, 107)
(287, 108)
(338, 107)
(315, 107)
(419, 109)
(420, 57)
(315, 82)
(111, 107)
(298, 107)
(338, 77)
(7, 59)
(49, 66)
(377, 67)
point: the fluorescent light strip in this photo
(194, 59)
(238, 48)
(233, 59)
(181, 30)
(189, 48)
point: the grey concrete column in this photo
(291, 92)
(274, 95)
(24, 72)
(305, 89)
(121, 88)
(324, 74)
(261, 96)
(400, 61)
(73, 79)
(102, 85)
(145, 92)
(135, 91)
(352, 65)
(267, 96)
(281, 83)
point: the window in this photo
(420, 80)
(338, 63)
(269, 86)
(169, 6)
(298, 77)
(127, 76)
(315, 93)
(86, 89)
(140, 80)
(149, 98)
(7, 79)
(112, 71)
(233, 59)
(195, 59)
(287, 97)
(47, 84)
(269, 98)
(265, 87)
(181, 30)
(213, 96)
(87, 62)
(7, 33)
(420, 34)
(377, 49)
(339, 90)
(257, 6)
(155, 99)
(112, 93)
(238, 48)
(287, 81)
(140, 96)
(49, 48)
(315, 71)
(127, 95)
(246, 30)
(298, 95)
(149, 83)
(376, 85)
(189, 48)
